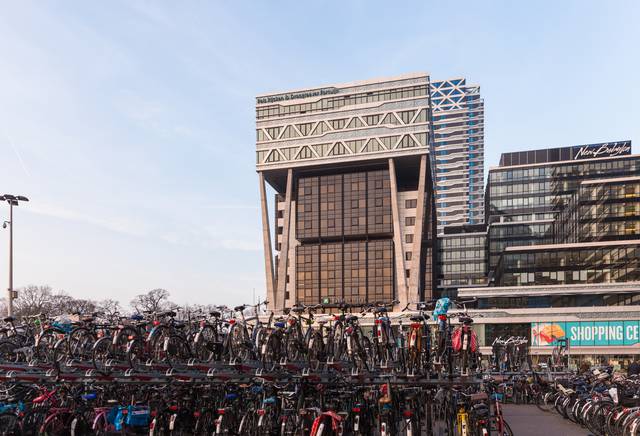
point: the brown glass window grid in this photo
(379, 216)
(331, 271)
(380, 270)
(307, 214)
(307, 273)
(330, 206)
(355, 204)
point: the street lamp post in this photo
(13, 200)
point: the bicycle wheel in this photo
(136, 355)
(56, 426)
(79, 344)
(506, 429)
(239, 343)
(314, 350)
(8, 352)
(45, 346)
(271, 352)
(9, 424)
(205, 344)
(177, 351)
(292, 347)
(100, 355)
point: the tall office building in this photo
(458, 127)
(564, 250)
(354, 211)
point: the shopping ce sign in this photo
(586, 333)
(603, 150)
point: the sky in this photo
(130, 125)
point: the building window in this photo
(407, 255)
(410, 204)
(408, 273)
(410, 221)
(408, 239)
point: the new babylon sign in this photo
(603, 150)
(586, 333)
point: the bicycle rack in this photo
(211, 372)
(306, 371)
(191, 362)
(169, 372)
(128, 372)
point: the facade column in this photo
(266, 240)
(398, 243)
(417, 255)
(283, 262)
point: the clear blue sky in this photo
(130, 125)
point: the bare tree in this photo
(109, 307)
(152, 301)
(32, 300)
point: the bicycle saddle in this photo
(240, 308)
(170, 313)
(137, 317)
(179, 325)
(279, 324)
(465, 320)
(9, 319)
(215, 314)
(297, 309)
(351, 318)
(416, 319)
(380, 310)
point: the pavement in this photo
(528, 420)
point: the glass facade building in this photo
(458, 126)
(529, 190)
(462, 258)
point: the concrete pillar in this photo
(284, 246)
(416, 256)
(266, 240)
(398, 242)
